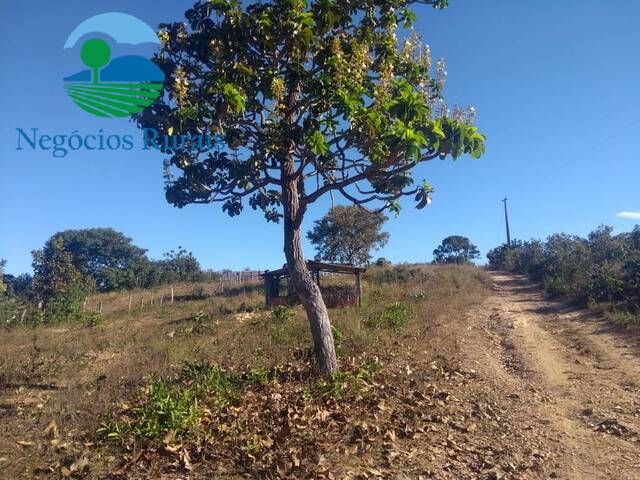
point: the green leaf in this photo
(317, 143)
(234, 97)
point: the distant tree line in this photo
(600, 269)
(75, 263)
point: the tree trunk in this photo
(299, 274)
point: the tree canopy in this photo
(348, 234)
(455, 249)
(321, 83)
(109, 257)
(113, 262)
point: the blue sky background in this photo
(556, 85)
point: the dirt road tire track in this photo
(572, 378)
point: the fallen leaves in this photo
(26, 443)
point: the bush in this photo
(281, 314)
(65, 306)
(600, 269)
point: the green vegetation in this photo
(180, 405)
(348, 235)
(74, 264)
(114, 263)
(174, 406)
(59, 285)
(394, 315)
(602, 270)
(455, 249)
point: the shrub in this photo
(394, 315)
(338, 340)
(174, 405)
(281, 314)
(600, 269)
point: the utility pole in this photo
(506, 221)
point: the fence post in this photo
(130, 302)
(171, 294)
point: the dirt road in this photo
(570, 382)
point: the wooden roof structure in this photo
(272, 281)
(315, 266)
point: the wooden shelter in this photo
(272, 279)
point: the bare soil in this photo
(569, 380)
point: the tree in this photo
(348, 234)
(58, 284)
(180, 266)
(382, 262)
(107, 256)
(307, 98)
(22, 287)
(455, 249)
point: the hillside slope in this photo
(483, 379)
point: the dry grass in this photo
(72, 374)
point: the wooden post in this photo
(267, 290)
(161, 298)
(290, 291)
(130, 302)
(358, 292)
(100, 310)
(171, 294)
(152, 299)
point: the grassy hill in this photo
(216, 384)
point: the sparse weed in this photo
(212, 383)
(93, 319)
(280, 317)
(175, 406)
(281, 314)
(393, 315)
(258, 376)
(168, 408)
(338, 340)
(343, 383)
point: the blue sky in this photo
(555, 84)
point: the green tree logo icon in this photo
(95, 54)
